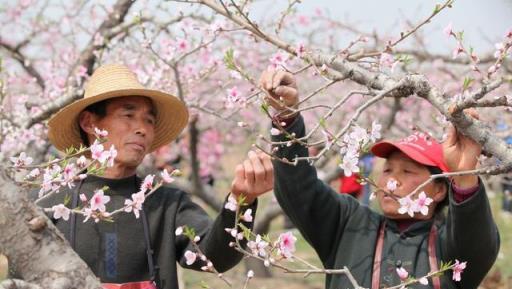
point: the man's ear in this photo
(87, 122)
(441, 192)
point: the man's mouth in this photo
(137, 146)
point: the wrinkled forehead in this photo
(134, 103)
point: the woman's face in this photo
(408, 174)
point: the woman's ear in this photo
(86, 120)
(441, 192)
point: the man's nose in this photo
(141, 127)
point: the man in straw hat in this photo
(141, 252)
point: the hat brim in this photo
(172, 117)
(384, 148)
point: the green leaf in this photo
(138, 19)
(241, 200)
(67, 199)
(365, 148)
(445, 266)
(246, 231)
(437, 8)
(108, 219)
(460, 35)
(264, 108)
(229, 59)
(189, 232)
(467, 82)
(406, 59)
(322, 122)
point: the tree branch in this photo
(24, 62)
(417, 84)
(88, 60)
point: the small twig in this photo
(473, 98)
(285, 13)
(494, 170)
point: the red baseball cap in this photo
(419, 146)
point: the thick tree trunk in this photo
(37, 252)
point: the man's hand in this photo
(254, 177)
(461, 154)
(281, 89)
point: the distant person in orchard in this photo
(413, 235)
(139, 249)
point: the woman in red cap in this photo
(412, 235)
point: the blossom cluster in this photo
(408, 205)
(190, 256)
(260, 246)
(457, 269)
(74, 167)
(353, 142)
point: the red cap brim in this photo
(384, 149)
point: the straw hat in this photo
(110, 81)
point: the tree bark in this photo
(37, 252)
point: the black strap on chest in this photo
(153, 270)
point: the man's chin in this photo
(131, 159)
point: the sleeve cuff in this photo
(460, 194)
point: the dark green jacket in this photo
(116, 251)
(344, 233)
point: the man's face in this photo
(409, 174)
(130, 122)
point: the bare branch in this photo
(499, 101)
(418, 85)
(24, 61)
(285, 13)
(472, 99)
(87, 59)
(494, 170)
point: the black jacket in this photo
(344, 233)
(116, 251)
